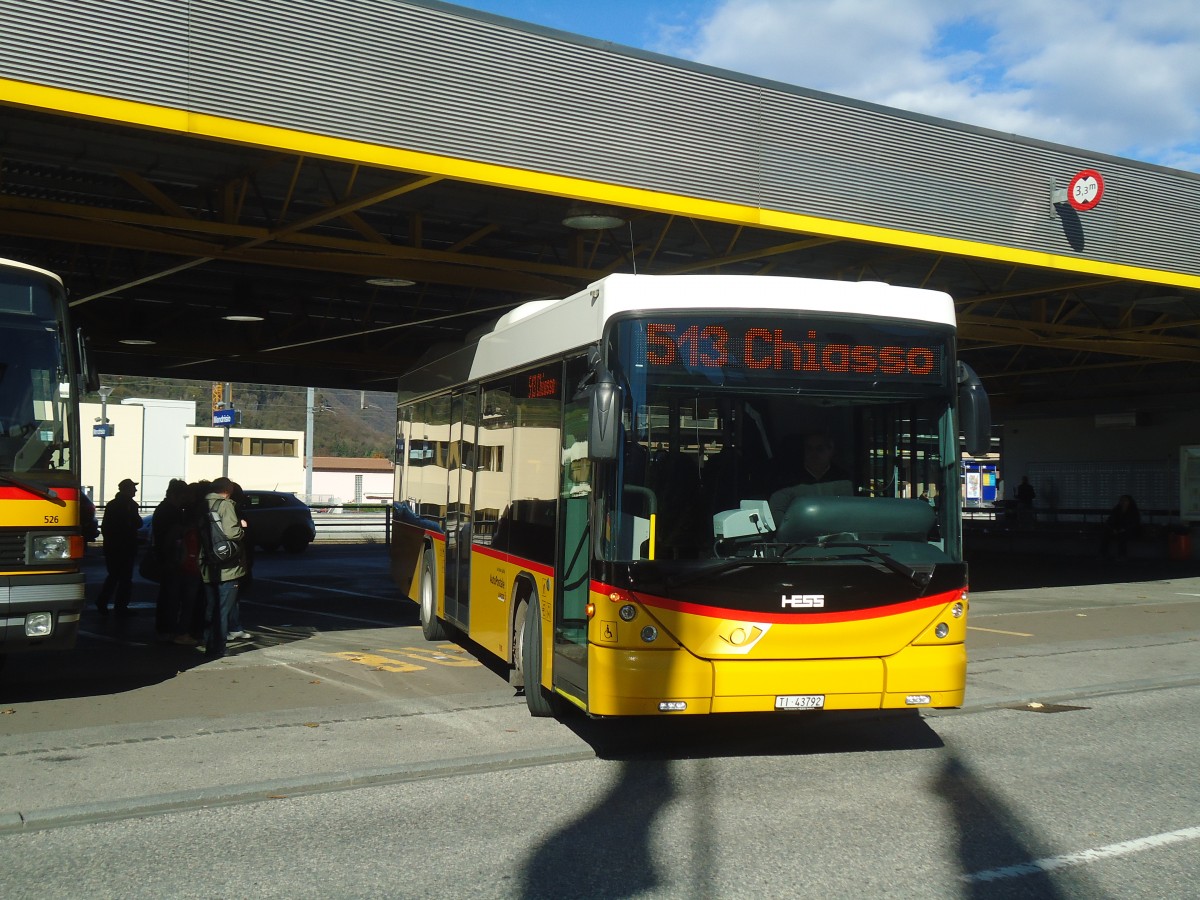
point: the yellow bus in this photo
(672, 495)
(41, 542)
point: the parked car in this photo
(273, 519)
(277, 519)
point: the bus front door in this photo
(573, 565)
(463, 417)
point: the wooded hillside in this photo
(345, 423)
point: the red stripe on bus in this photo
(793, 618)
(16, 493)
(488, 551)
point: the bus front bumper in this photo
(40, 612)
(641, 683)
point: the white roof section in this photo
(26, 267)
(545, 328)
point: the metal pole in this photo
(225, 439)
(308, 446)
(104, 391)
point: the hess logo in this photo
(803, 601)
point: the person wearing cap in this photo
(119, 529)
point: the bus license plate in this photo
(800, 701)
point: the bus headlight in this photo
(628, 612)
(957, 610)
(649, 634)
(942, 629)
(49, 548)
(39, 624)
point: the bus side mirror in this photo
(602, 419)
(974, 411)
(89, 378)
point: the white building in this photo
(154, 441)
(338, 481)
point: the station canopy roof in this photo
(344, 271)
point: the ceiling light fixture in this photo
(137, 342)
(385, 281)
(585, 218)
(241, 315)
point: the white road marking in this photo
(1085, 856)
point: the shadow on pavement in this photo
(994, 570)
(753, 734)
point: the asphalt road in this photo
(339, 754)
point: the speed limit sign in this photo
(1086, 189)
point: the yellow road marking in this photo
(998, 631)
(434, 657)
(439, 656)
(382, 663)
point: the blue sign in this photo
(223, 418)
(103, 430)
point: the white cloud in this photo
(1116, 76)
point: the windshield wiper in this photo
(919, 577)
(34, 488)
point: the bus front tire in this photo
(431, 626)
(529, 659)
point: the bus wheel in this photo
(431, 625)
(529, 658)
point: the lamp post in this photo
(104, 390)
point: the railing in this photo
(353, 524)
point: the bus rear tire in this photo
(529, 659)
(431, 626)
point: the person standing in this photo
(1025, 497)
(1122, 524)
(166, 543)
(220, 579)
(119, 528)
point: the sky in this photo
(1120, 77)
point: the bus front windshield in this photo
(718, 462)
(35, 433)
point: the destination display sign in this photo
(756, 347)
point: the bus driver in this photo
(819, 475)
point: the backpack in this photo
(225, 551)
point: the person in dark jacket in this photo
(1122, 524)
(119, 528)
(166, 543)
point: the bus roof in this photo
(17, 264)
(543, 329)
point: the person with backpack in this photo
(222, 534)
